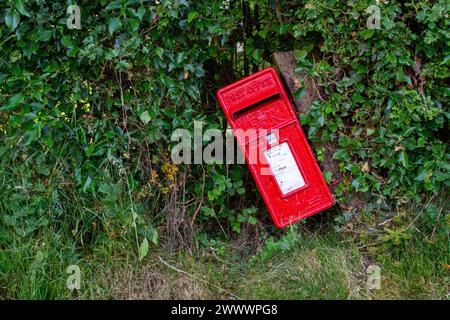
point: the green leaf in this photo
(45, 35)
(67, 42)
(87, 183)
(421, 176)
(140, 13)
(263, 33)
(361, 69)
(356, 97)
(322, 119)
(256, 55)
(21, 8)
(209, 212)
(143, 249)
(154, 236)
(114, 24)
(252, 220)
(192, 15)
(300, 54)
(12, 19)
(113, 5)
(44, 170)
(328, 175)
(421, 142)
(199, 72)
(341, 154)
(403, 159)
(356, 184)
(370, 131)
(134, 24)
(13, 103)
(90, 150)
(145, 117)
(367, 33)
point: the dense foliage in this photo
(86, 115)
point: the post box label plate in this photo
(284, 168)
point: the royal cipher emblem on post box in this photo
(275, 147)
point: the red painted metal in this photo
(285, 170)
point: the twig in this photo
(218, 259)
(201, 200)
(420, 213)
(437, 219)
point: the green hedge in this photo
(86, 115)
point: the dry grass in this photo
(152, 282)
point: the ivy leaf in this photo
(143, 249)
(208, 212)
(367, 33)
(21, 8)
(13, 102)
(113, 5)
(256, 54)
(134, 23)
(114, 24)
(12, 19)
(328, 175)
(45, 35)
(322, 120)
(140, 13)
(300, 54)
(341, 154)
(370, 131)
(199, 72)
(252, 220)
(67, 42)
(192, 15)
(145, 117)
(356, 97)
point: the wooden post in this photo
(285, 63)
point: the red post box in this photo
(275, 147)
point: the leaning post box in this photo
(275, 147)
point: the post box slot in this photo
(253, 106)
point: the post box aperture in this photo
(275, 147)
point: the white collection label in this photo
(284, 168)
